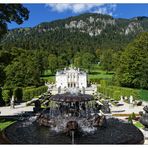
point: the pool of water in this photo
(116, 132)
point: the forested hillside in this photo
(25, 53)
(83, 33)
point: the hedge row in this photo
(32, 92)
(24, 94)
(6, 95)
(100, 80)
(115, 92)
(95, 80)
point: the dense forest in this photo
(25, 53)
(83, 33)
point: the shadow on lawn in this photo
(94, 73)
(50, 75)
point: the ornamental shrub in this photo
(29, 93)
(116, 95)
(6, 95)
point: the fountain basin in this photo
(68, 97)
(116, 132)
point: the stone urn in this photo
(144, 117)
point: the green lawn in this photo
(138, 125)
(48, 76)
(5, 123)
(95, 73)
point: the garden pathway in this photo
(127, 108)
(19, 109)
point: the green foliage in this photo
(12, 12)
(6, 94)
(23, 71)
(106, 60)
(5, 123)
(133, 116)
(29, 93)
(95, 80)
(59, 39)
(130, 119)
(138, 125)
(5, 59)
(84, 60)
(116, 95)
(104, 83)
(53, 63)
(18, 94)
(133, 68)
(115, 92)
(87, 60)
(143, 94)
(78, 61)
(97, 74)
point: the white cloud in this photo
(106, 9)
(80, 8)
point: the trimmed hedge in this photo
(6, 95)
(95, 80)
(143, 94)
(116, 95)
(115, 92)
(24, 94)
(29, 93)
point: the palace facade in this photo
(71, 78)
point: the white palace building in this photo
(71, 79)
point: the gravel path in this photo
(19, 109)
(127, 108)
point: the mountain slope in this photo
(82, 33)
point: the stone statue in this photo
(121, 98)
(144, 118)
(12, 102)
(37, 107)
(106, 107)
(83, 89)
(59, 89)
(131, 99)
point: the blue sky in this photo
(49, 12)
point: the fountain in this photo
(72, 117)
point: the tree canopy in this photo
(133, 68)
(12, 12)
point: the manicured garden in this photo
(115, 91)
(21, 94)
(97, 74)
(48, 76)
